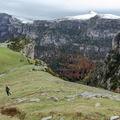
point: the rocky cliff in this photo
(93, 35)
(23, 45)
(116, 43)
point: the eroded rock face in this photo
(28, 50)
(116, 42)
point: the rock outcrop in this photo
(112, 68)
(116, 42)
(23, 45)
(28, 50)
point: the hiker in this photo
(7, 90)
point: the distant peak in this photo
(92, 12)
(23, 20)
(83, 17)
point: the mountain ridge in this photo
(92, 14)
(89, 15)
(76, 17)
(94, 32)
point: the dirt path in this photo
(2, 103)
(21, 68)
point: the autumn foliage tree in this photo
(74, 67)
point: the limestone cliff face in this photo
(88, 36)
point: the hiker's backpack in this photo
(7, 87)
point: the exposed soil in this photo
(10, 111)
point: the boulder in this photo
(34, 100)
(54, 99)
(70, 97)
(97, 104)
(114, 117)
(23, 100)
(85, 94)
(61, 119)
(47, 118)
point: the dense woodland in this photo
(72, 67)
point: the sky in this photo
(55, 9)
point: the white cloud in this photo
(77, 4)
(56, 8)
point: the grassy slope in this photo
(27, 84)
(10, 60)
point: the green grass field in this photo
(27, 82)
(10, 60)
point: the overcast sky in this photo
(54, 9)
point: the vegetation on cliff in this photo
(18, 43)
(112, 71)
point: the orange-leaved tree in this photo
(75, 67)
